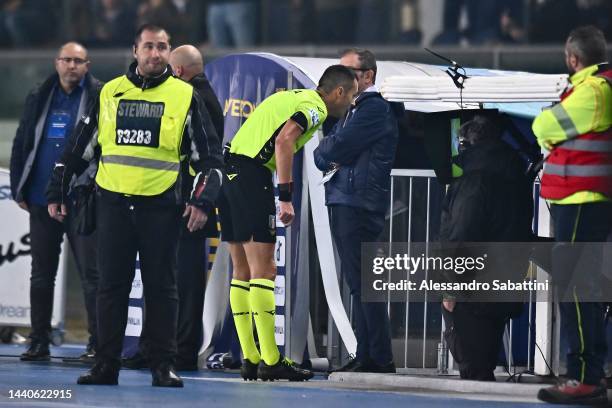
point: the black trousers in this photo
(350, 227)
(127, 226)
(46, 236)
(192, 268)
(583, 323)
(474, 339)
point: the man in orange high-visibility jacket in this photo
(577, 180)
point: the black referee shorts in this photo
(246, 204)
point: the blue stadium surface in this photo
(203, 389)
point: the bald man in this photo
(188, 65)
(50, 113)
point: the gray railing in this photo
(417, 327)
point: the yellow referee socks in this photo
(264, 311)
(241, 310)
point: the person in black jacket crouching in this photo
(491, 202)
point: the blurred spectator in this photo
(335, 21)
(409, 31)
(373, 17)
(114, 24)
(232, 23)
(244, 23)
(511, 24)
(81, 16)
(164, 13)
(195, 20)
(551, 20)
(285, 21)
(490, 21)
(597, 13)
(25, 23)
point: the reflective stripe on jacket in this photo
(140, 134)
(579, 133)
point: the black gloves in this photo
(205, 189)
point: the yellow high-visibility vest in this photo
(140, 134)
(578, 131)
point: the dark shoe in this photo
(381, 369)
(6, 334)
(366, 366)
(248, 371)
(165, 376)
(353, 365)
(89, 356)
(100, 374)
(38, 351)
(576, 393)
(229, 362)
(136, 362)
(285, 369)
(476, 374)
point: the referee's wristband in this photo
(285, 191)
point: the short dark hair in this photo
(367, 60)
(335, 76)
(588, 44)
(481, 127)
(149, 27)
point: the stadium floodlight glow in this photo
(521, 87)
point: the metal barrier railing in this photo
(412, 219)
(414, 216)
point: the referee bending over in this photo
(266, 142)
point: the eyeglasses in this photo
(68, 60)
(361, 69)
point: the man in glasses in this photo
(360, 150)
(50, 113)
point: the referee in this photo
(266, 142)
(149, 127)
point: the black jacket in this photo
(492, 201)
(202, 86)
(363, 145)
(201, 146)
(31, 128)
